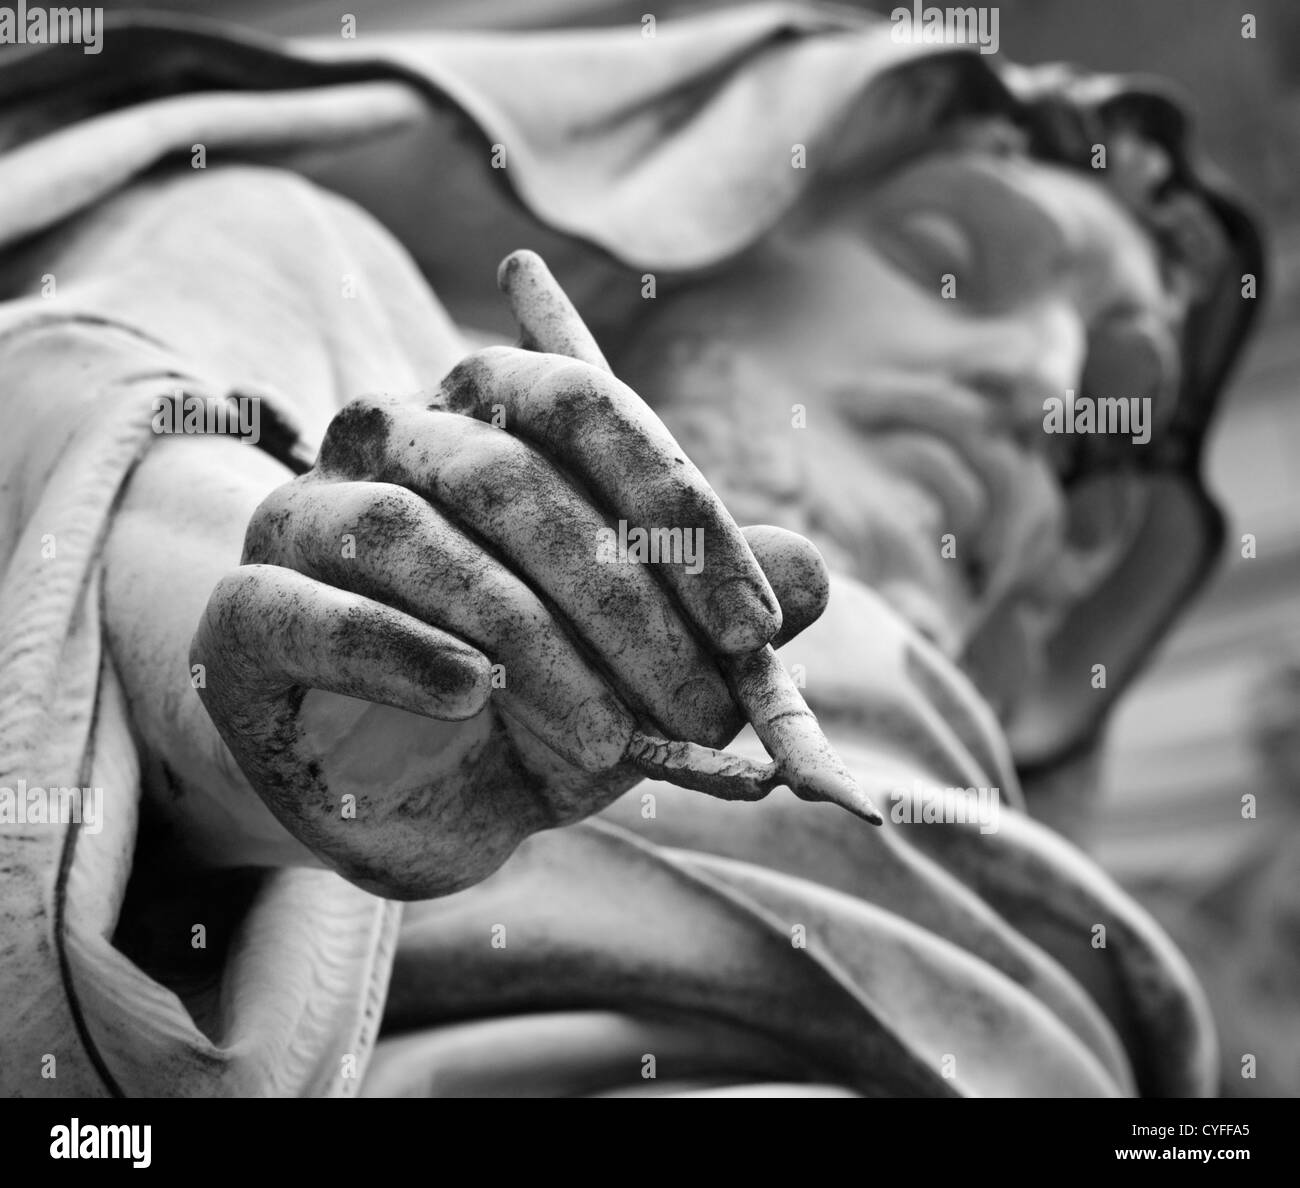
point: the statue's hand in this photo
(434, 647)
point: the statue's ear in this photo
(1135, 354)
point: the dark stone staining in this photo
(461, 390)
(355, 437)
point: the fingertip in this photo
(456, 683)
(600, 732)
(742, 616)
(797, 573)
(510, 267)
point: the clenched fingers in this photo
(506, 494)
(602, 432)
(386, 543)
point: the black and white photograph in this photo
(562, 549)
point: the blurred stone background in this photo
(1218, 713)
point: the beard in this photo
(880, 505)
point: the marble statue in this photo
(330, 583)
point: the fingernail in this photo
(742, 616)
(600, 731)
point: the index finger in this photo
(604, 434)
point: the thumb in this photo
(797, 574)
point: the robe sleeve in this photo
(295, 997)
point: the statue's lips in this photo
(947, 456)
(940, 586)
(939, 467)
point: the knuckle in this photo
(488, 360)
(385, 510)
(475, 375)
(229, 615)
(496, 463)
(238, 587)
(572, 390)
(271, 524)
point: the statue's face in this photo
(921, 330)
